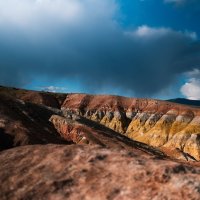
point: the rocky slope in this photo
(53, 100)
(84, 131)
(58, 172)
(173, 128)
(23, 123)
(96, 147)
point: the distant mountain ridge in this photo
(185, 101)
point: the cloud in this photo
(191, 89)
(83, 39)
(54, 89)
(195, 73)
(36, 12)
(155, 33)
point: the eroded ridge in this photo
(173, 128)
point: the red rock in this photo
(173, 128)
(73, 172)
(107, 164)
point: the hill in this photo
(80, 146)
(185, 101)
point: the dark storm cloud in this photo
(41, 38)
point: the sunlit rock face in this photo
(69, 130)
(173, 128)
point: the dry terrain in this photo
(79, 146)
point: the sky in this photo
(136, 48)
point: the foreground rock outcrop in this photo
(58, 172)
(173, 128)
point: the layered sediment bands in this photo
(70, 130)
(169, 126)
(80, 130)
